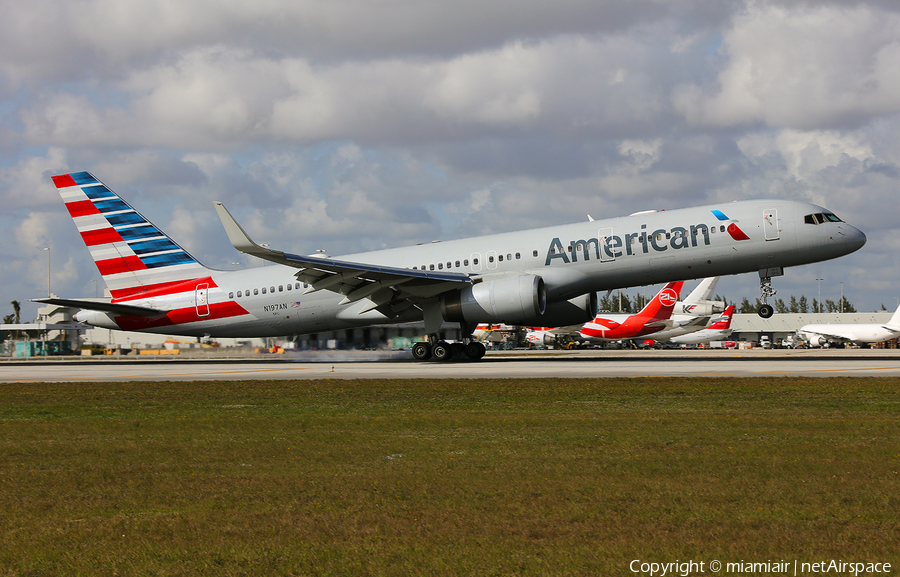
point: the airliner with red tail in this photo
(719, 329)
(653, 318)
(542, 277)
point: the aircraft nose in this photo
(855, 238)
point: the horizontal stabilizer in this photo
(104, 306)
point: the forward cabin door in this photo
(202, 300)
(770, 224)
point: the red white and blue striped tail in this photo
(134, 257)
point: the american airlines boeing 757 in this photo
(547, 277)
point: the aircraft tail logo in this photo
(733, 229)
(662, 304)
(134, 257)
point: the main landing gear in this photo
(468, 350)
(765, 288)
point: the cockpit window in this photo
(821, 217)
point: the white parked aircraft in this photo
(542, 277)
(821, 334)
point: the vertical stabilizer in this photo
(662, 304)
(895, 320)
(723, 322)
(134, 257)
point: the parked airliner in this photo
(545, 277)
(718, 330)
(821, 334)
(694, 312)
(651, 319)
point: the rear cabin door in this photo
(202, 300)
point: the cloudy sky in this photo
(354, 125)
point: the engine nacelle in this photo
(96, 319)
(509, 300)
(576, 311)
(817, 341)
(701, 309)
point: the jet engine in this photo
(817, 341)
(576, 311)
(701, 309)
(96, 319)
(509, 300)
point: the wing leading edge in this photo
(382, 285)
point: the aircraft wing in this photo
(356, 281)
(104, 306)
(826, 334)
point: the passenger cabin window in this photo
(466, 262)
(500, 258)
(231, 295)
(518, 256)
(457, 264)
(264, 290)
(240, 294)
(281, 288)
(256, 291)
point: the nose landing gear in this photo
(765, 288)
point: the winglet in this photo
(238, 237)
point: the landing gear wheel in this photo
(441, 351)
(475, 351)
(457, 350)
(765, 311)
(421, 351)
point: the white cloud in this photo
(802, 67)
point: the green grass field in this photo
(439, 477)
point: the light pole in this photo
(820, 294)
(47, 248)
(842, 297)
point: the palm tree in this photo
(17, 308)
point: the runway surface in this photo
(496, 365)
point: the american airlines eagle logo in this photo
(733, 229)
(668, 297)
